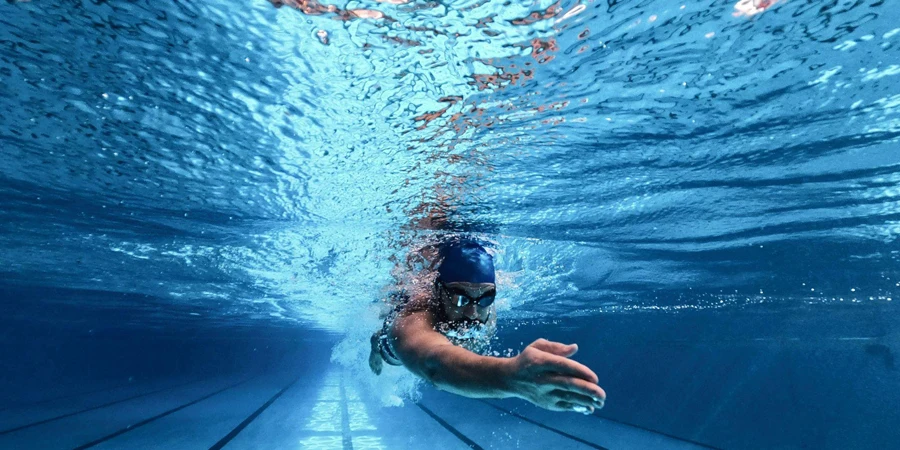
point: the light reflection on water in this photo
(259, 163)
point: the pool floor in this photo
(298, 408)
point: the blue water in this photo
(703, 195)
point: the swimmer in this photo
(751, 8)
(427, 335)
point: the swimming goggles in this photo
(460, 298)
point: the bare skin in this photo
(542, 374)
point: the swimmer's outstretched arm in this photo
(542, 374)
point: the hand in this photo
(544, 375)
(375, 361)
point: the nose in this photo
(470, 312)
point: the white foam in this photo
(395, 384)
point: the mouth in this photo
(468, 323)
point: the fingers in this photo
(566, 406)
(577, 399)
(578, 386)
(556, 348)
(565, 366)
(375, 364)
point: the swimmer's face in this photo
(473, 311)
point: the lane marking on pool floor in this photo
(707, 446)
(450, 428)
(63, 397)
(649, 430)
(92, 408)
(161, 415)
(345, 419)
(546, 427)
(233, 433)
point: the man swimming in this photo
(432, 331)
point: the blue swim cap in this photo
(465, 260)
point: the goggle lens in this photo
(464, 300)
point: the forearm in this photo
(457, 370)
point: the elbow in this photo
(430, 368)
(431, 375)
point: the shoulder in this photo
(420, 302)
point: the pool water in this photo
(204, 206)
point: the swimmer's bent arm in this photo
(432, 356)
(542, 374)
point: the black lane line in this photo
(48, 400)
(548, 428)
(41, 422)
(699, 444)
(450, 428)
(228, 437)
(160, 415)
(345, 419)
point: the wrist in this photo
(507, 371)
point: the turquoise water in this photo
(711, 185)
